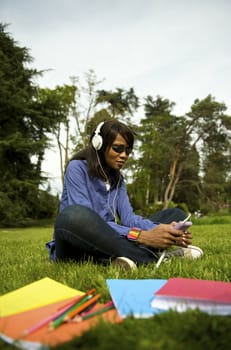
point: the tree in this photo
(73, 110)
(189, 188)
(85, 108)
(94, 106)
(58, 104)
(216, 154)
(119, 103)
(21, 142)
(167, 142)
(161, 136)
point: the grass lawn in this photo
(24, 259)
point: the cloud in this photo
(146, 44)
(179, 49)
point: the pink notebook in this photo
(213, 297)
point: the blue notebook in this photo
(134, 297)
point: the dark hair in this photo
(109, 130)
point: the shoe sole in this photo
(124, 263)
(196, 249)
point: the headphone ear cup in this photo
(97, 142)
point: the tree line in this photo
(177, 160)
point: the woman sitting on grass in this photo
(96, 218)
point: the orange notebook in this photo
(13, 326)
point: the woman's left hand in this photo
(184, 240)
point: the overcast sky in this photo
(178, 49)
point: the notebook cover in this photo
(133, 297)
(207, 290)
(33, 295)
(13, 326)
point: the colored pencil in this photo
(80, 297)
(75, 312)
(59, 320)
(87, 315)
(61, 310)
(102, 306)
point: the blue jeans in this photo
(81, 233)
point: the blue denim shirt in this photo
(81, 189)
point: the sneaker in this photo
(124, 263)
(191, 252)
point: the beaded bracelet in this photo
(134, 233)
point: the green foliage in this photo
(23, 260)
(24, 209)
(174, 151)
(47, 205)
(119, 102)
(165, 331)
(164, 149)
(188, 190)
(213, 220)
(213, 129)
(24, 121)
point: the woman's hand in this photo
(164, 236)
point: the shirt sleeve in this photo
(122, 230)
(127, 216)
(75, 190)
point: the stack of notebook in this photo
(47, 313)
(145, 298)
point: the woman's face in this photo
(117, 154)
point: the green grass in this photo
(24, 259)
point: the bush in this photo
(147, 211)
(47, 205)
(21, 211)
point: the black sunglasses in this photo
(121, 149)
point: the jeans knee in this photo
(74, 215)
(178, 211)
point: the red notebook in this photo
(213, 297)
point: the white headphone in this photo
(97, 140)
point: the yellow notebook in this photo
(33, 295)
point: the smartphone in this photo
(183, 226)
